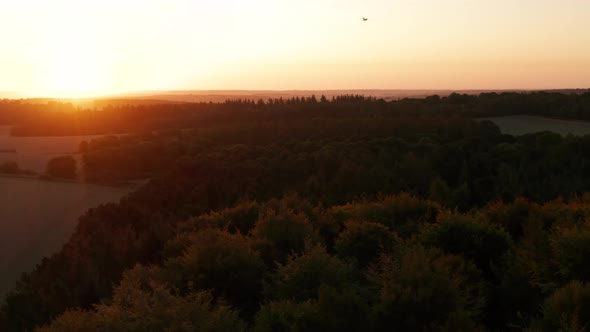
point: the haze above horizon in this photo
(66, 48)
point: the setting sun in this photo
(72, 56)
(74, 72)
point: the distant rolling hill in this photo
(192, 96)
(151, 97)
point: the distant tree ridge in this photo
(59, 118)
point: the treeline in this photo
(13, 112)
(55, 118)
(61, 119)
(245, 225)
(12, 168)
(459, 162)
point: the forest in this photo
(56, 118)
(344, 214)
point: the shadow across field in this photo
(37, 217)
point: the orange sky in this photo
(77, 48)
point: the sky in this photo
(80, 47)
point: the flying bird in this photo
(364, 19)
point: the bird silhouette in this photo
(364, 19)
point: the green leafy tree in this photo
(223, 262)
(571, 248)
(440, 192)
(303, 275)
(142, 304)
(476, 240)
(289, 316)
(424, 290)
(404, 213)
(567, 309)
(239, 218)
(281, 232)
(364, 242)
(335, 310)
(513, 217)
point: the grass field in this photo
(32, 153)
(524, 124)
(37, 217)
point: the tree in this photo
(281, 232)
(404, 213)
(287, 315)
(9, 167)
(479, 242)
(571, 248)
(335, 310)
(303, 276)
(364, 242)
(567, 309)
(62, 167)
(440, 192)
(83, 147)
(143, 304)
(424, 290)
(223, 262)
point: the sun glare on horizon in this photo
(73, 73)
(73, 59)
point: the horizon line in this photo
(15, 95)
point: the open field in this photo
(37, 217)
(32, 153)
(524, 124)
